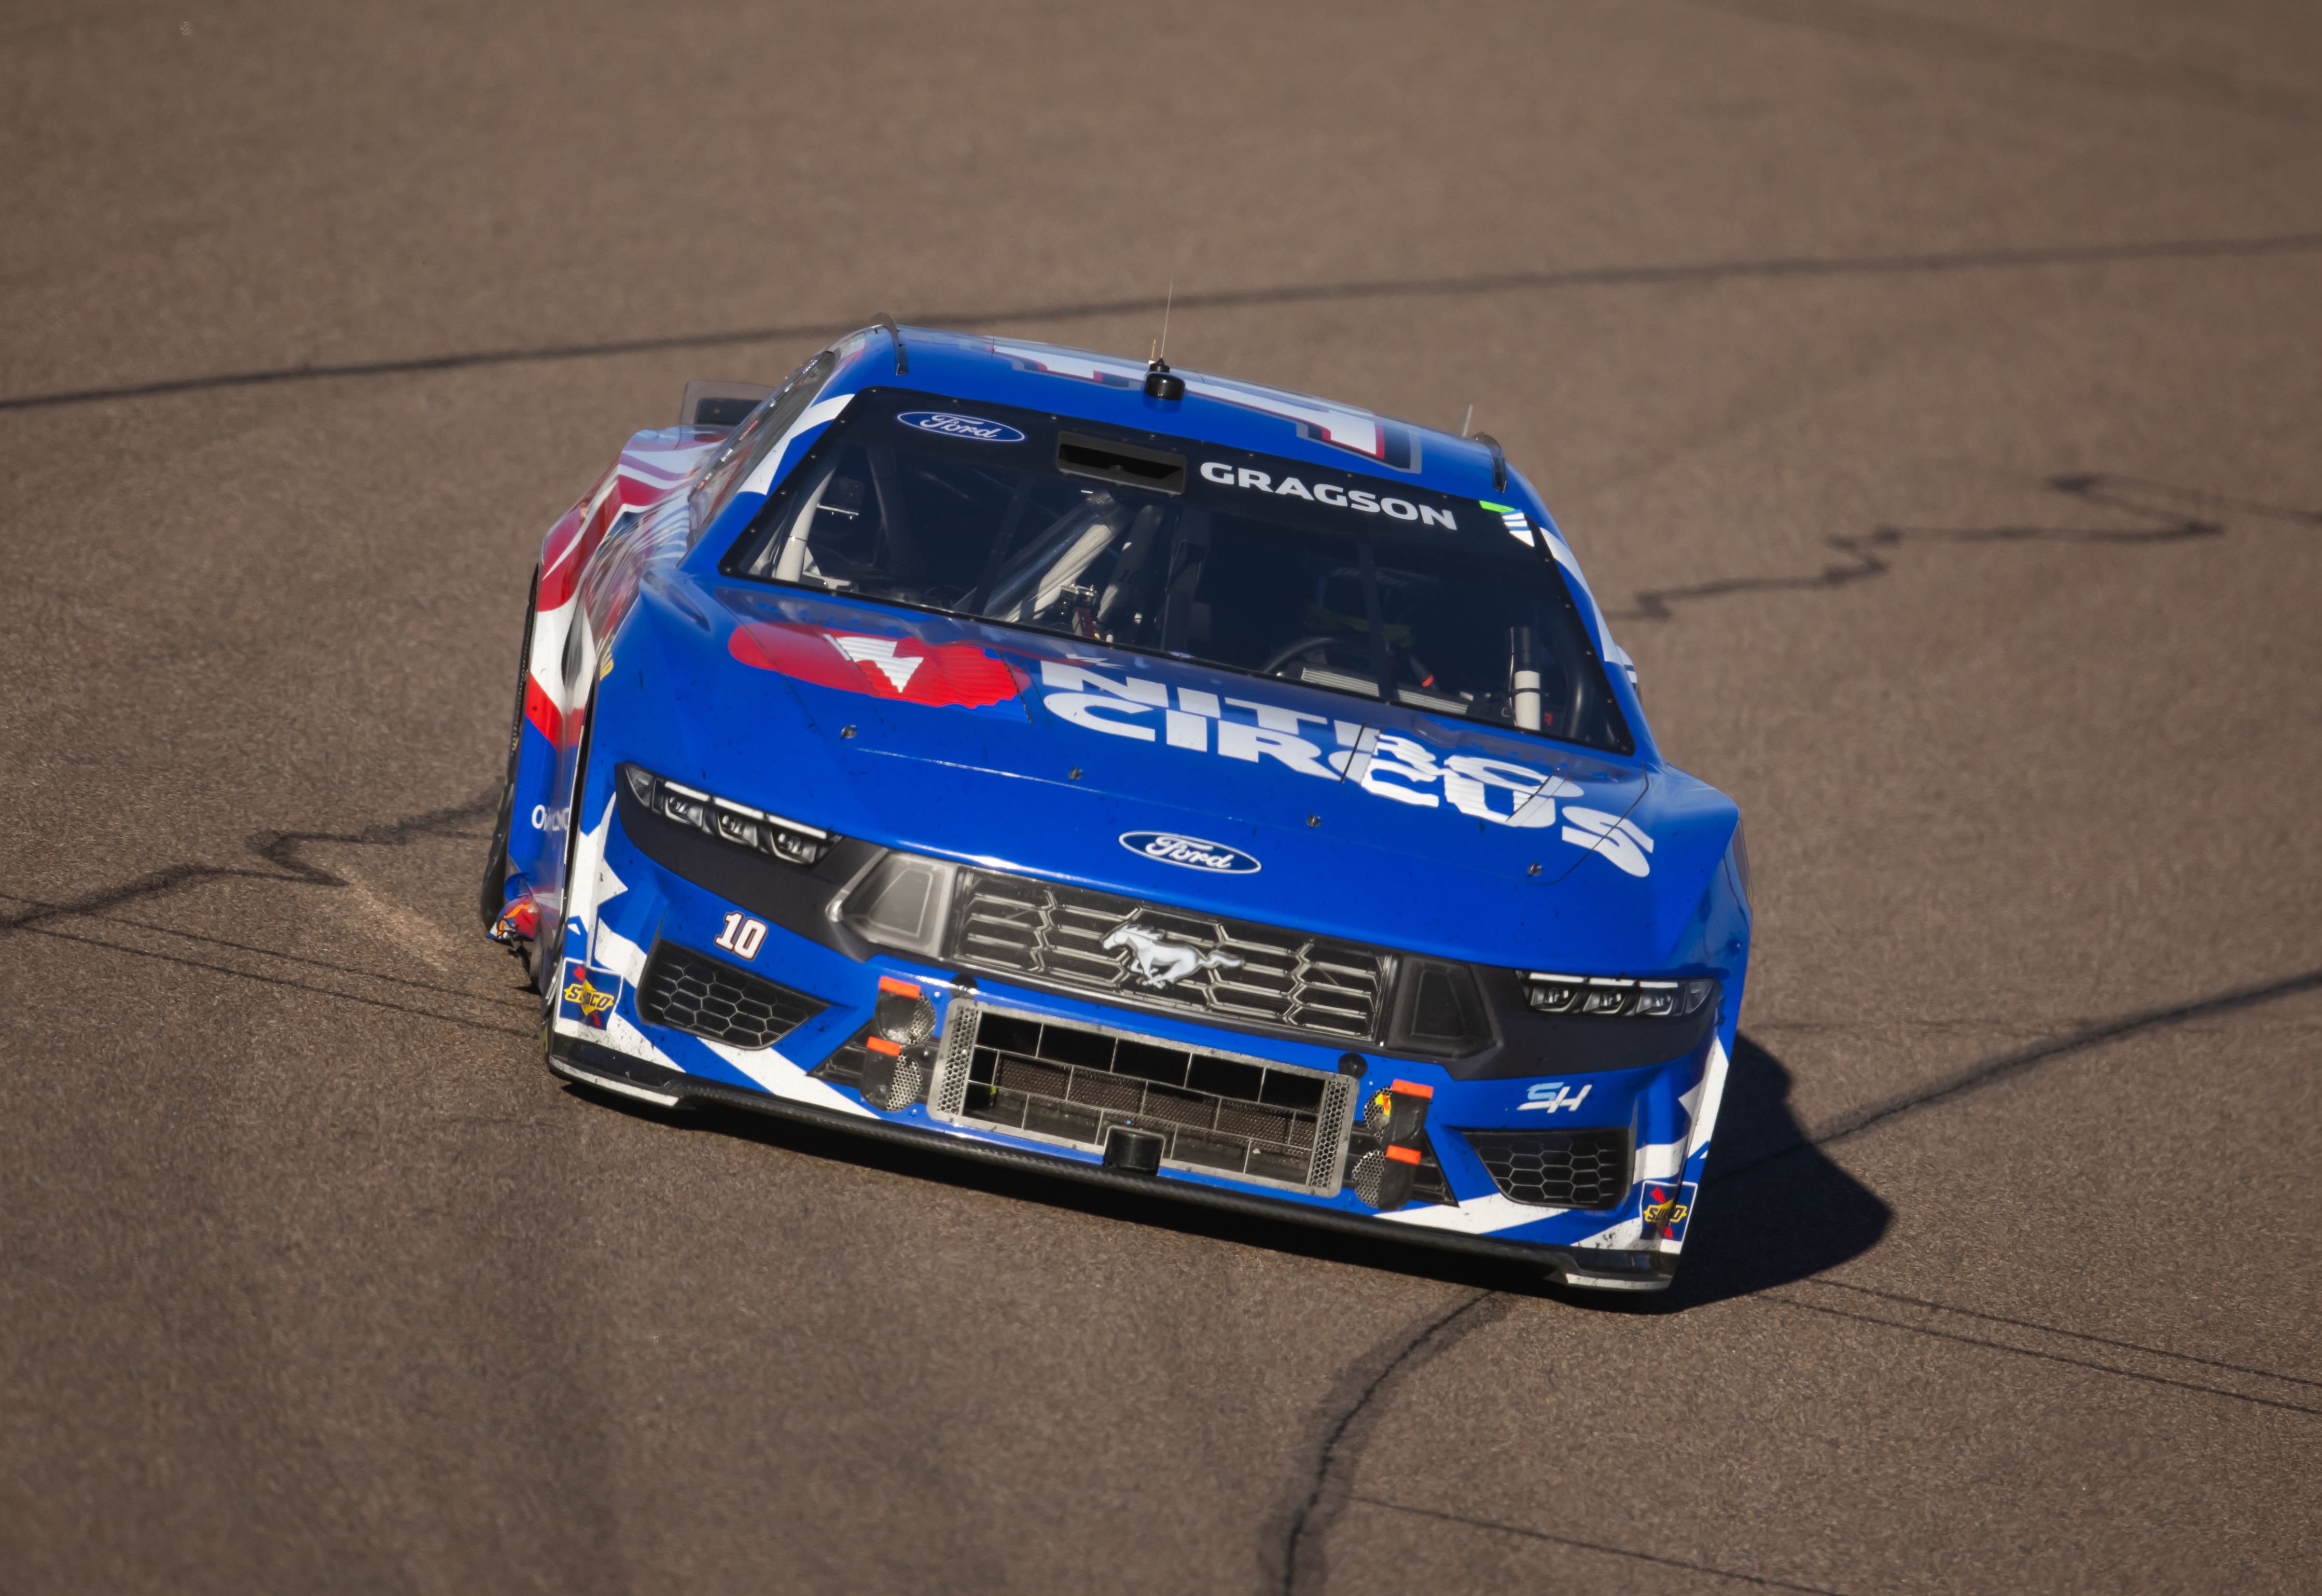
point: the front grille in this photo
(1130, 950)
(1557, 1169)
(1366, 1173)
(1217, 1113)
(690, 991)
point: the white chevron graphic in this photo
(880, 653)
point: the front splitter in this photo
(591, 1064)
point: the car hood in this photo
(1063, 758)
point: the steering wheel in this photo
(1290, 651)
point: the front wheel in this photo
(493, 902)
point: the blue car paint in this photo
(1022, 784)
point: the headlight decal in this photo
(737, 825)
(1616, 997)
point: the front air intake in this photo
(1556, 1169)
(1081, 455)
(1217, 1113)
(692, 992)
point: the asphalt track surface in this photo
(1932, 393)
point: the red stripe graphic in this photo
(541, 710)
(939, 674)
(568, 549)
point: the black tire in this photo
(496, 865)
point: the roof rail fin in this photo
(1499, 458)
(903, 356)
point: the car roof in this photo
(1109, 388)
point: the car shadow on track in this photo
(1784, 1212)
(1774, 1208)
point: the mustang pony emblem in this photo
(1162, 963)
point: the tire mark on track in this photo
(2034, 1324)
(1964, 40)
(225, 969)
(1865, 558)
(1763, 1581)
(1990, 1071)
(1629, 276)
(1987, 1343)
(281, 956)
(1351, 1415)
(281, 851)
(2001, 1067)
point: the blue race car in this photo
(1023, 753)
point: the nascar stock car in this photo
(1034, 755)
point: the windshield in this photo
(1353, 583)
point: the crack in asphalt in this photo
(2127, 495)
(1351, 1415)
(1765, 1581)
(1646, 274)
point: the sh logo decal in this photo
(1553, 1096)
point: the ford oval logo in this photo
(1170, 848)
(961, 427)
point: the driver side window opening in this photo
(759, 432)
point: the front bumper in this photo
(592, 1065)
(627, 904)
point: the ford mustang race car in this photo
(1027, 754)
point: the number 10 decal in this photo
(742, 935)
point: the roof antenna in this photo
(902, 359)
(1499, 459)
(1160, 382)
(1467, 423)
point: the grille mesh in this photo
(1239, 971)
(692, 992)
(1556, 1169)
(1235, 1116)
